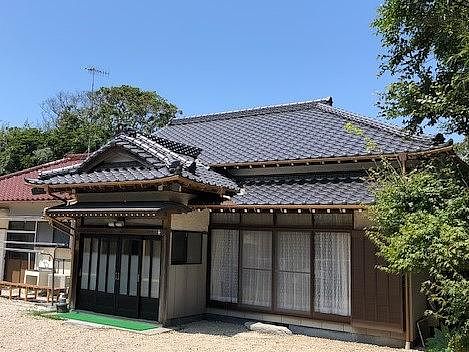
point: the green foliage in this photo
(370, 144)
(462, 149)
(131, 106)
(81, 122)
(22, 147)
(446, 341)
(421, 224)
(426, 47)
(440, 342)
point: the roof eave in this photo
(160, 181)
(368, 157)
(280, 206)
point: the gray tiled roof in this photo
(324, 189)
(158, 162)
(306, 130)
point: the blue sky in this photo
(205, 56)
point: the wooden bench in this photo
(10, 286)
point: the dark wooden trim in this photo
(284, 228)
(107, 263)
(209, 261)
(328, 160)
(376, 326)
(312, 283)
(273, 268)
(120, 231)
(240, 267)
(331, 317)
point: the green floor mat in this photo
(109, 320)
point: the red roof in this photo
(14, 188)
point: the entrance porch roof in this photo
(116, 209)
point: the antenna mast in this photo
(93, 71)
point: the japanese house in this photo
(27, 241)
(254, 214)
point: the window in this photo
(22, 225)
(186, 248)
(35, 231)
(60, 238)
(21, 231)
(224, 264)
(288, 263)
(332, 273)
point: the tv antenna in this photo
(93, 71)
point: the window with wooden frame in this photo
(281, 263)
(186, 248)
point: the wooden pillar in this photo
(74, 253)
(164, 274)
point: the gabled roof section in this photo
(133, 157)
(299, 131)
(13, 187)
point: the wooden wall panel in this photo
(376, 296)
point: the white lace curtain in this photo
(332, 273)
(224, 266)
(257, 268)
(293, 271)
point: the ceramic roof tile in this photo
(315, 189)
(159, 162)
(306, 130)
(14, 188)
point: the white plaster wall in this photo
(27, 210)
(193, 221)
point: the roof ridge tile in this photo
(260, 110)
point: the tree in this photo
(22, 147)
(143, 110)
(426, 47)
(81, 122)
(421, 224)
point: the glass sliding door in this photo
(104, 294)
(256, 268)
(293, 271)
(224, 264)
(332, 273)
(120, 275)
(150, 279)
(127, 299)
(284, 263)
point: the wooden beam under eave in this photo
(331, 160)
(280, 206)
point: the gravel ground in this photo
(20, 331)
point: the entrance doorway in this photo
(120, 275)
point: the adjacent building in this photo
(27, 241)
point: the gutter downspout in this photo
(407, 278)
